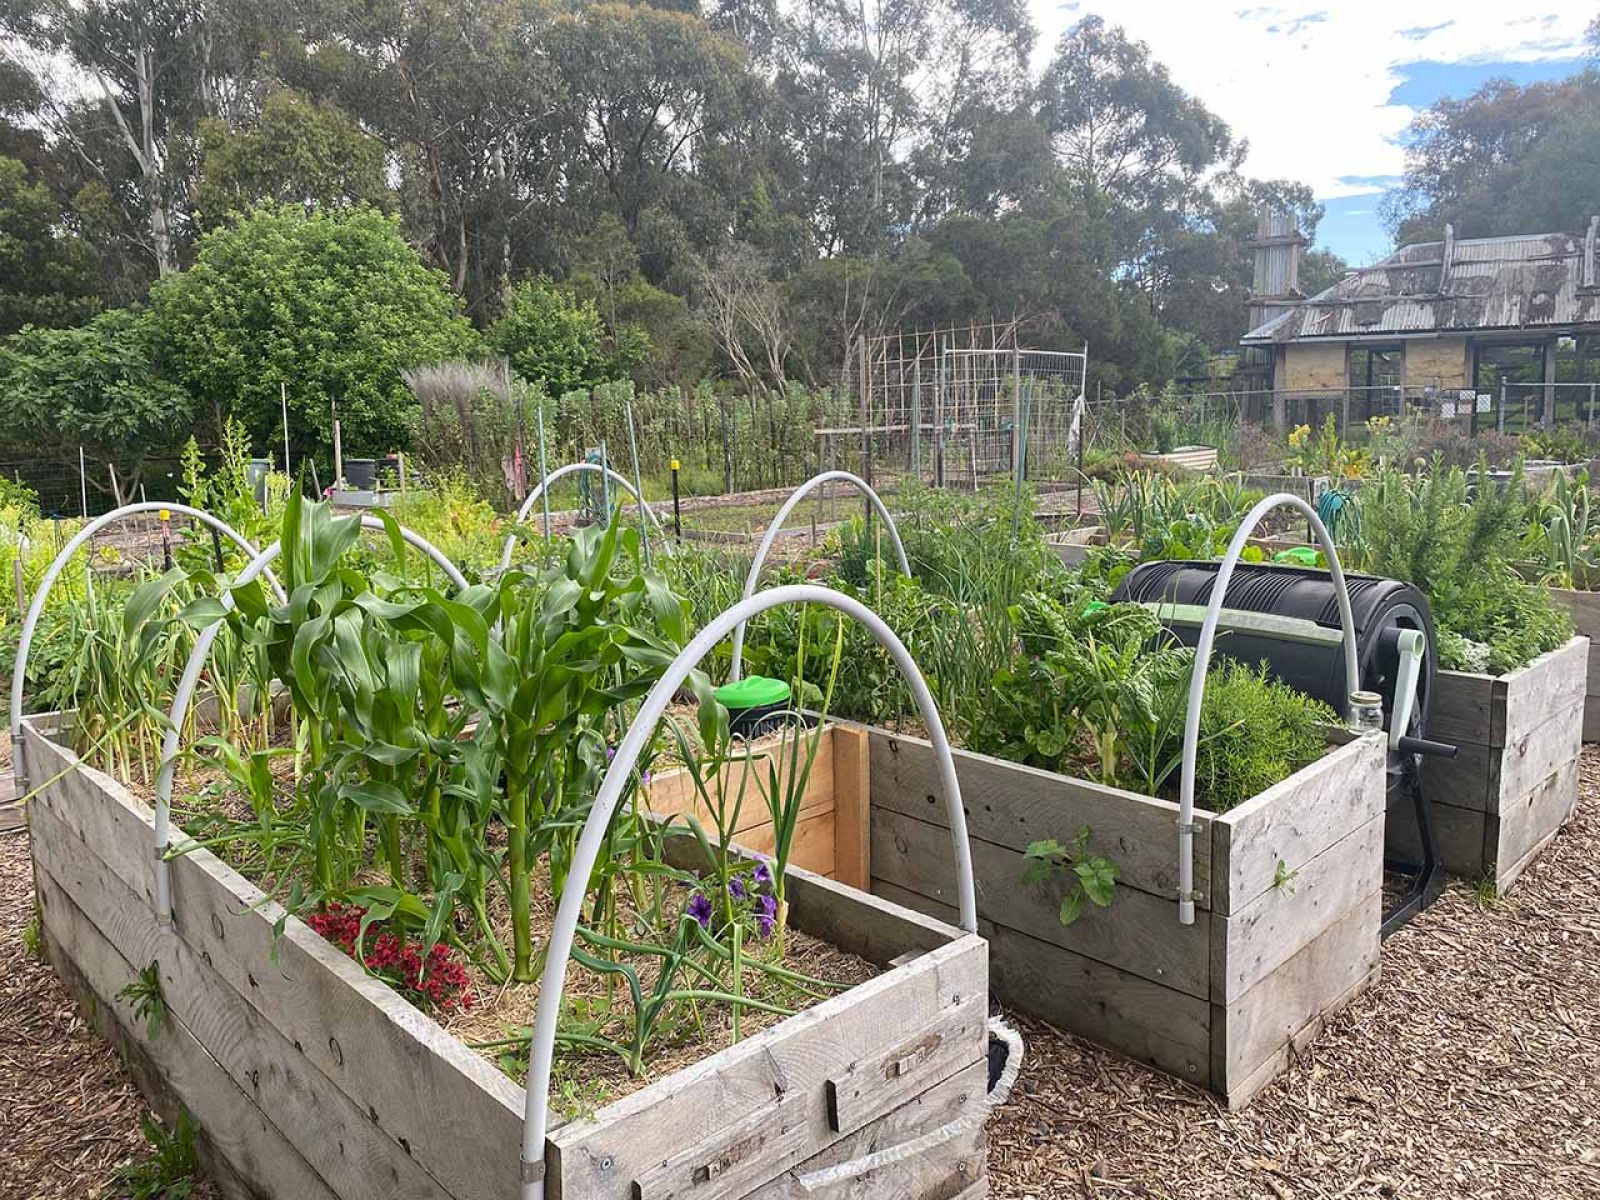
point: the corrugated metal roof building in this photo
(1504, 316)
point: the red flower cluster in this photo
(443, 985)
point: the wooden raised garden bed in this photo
(311, 1080)
(1514, 780)
(1288, 913)
(1585, 610)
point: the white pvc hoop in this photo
(19, 670)
(1202, 662)
(541, 1048)
(190, 679)
(575, 469)
(771, 536)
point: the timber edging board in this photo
(310, 1080)
(1584, 608)
(1514, 780)
(1286, 927)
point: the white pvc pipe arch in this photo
(190, 679)
(576, 469)
(771, 536)
(541, 1049)
(30, 622)
(1202, 662)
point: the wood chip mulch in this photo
(71, 1114)
(1470, 1069)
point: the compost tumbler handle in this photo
(541, 1048)
(771, 536)
(190, 679)
(19, 670)
(577, 468)
(1202, 662)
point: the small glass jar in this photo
(1366, 711)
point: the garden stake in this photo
(638, 485)
(544, 476)
(677, 512)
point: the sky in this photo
(1324, 90)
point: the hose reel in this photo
(1286, 617)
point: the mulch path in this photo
(71, 1115)
(1471, 1069)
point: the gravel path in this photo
(1470, 1070)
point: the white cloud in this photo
(1308, 84)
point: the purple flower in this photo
(645, 779)
(736, 888)
(700, 909)
(766, 915)
(611, 752)
(762, 875)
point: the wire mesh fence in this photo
(959, 406)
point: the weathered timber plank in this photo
(1138, 933)
(737, 1157)
(1135, 1017)
(1242, 1092)
(1249, 946)
(869, 1087)
(1534, 756)
(852, 807)
(1012, 805)
(1296, 820)
(1459, 710)
(1458, 832)
(599, 1158)
(1464, 781)
(1591, 717)
(259, 1163)
(1551, 684)
(1258, 1025)
(953, 1169)
(1520, 830)
(853, 920)
(396, 1063)
(336, 1138)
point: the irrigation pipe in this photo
(30, 622)
(771, 536)
(190, 679)
(541, 1049)
(1202, 662)
(560, 473)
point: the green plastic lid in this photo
(1297, 556)
(753, 691)
(1093, 607)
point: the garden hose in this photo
(1334, 506)
(997, 1095)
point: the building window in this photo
(1375, 376)
(1514, 372)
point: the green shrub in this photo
(1459, 544)
(330, 307)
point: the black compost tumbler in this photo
(1287, 617)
